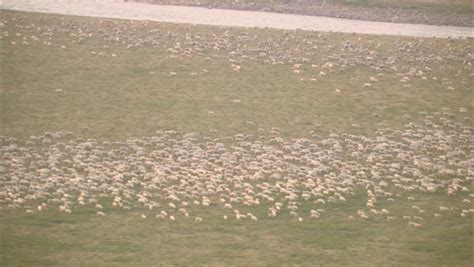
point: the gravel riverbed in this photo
(199, 15)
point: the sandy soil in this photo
(424, 14)
(197, 15)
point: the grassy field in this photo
(114, 79)
(49, 88)
(82, 239)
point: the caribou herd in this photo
(176, 176)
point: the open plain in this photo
(139, 143)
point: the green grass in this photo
(82, 239)
(117, 97)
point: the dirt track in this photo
(454, 15)
(197, 15)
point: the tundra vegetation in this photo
(142, 143)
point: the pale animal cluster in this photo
(175, 176)
(309, 55)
